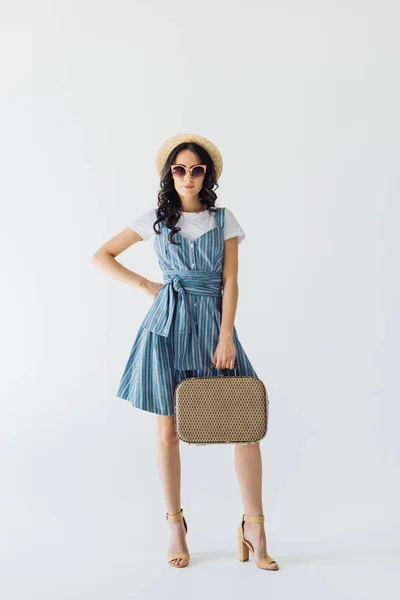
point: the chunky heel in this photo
(243, 549)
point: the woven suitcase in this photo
(221, 409)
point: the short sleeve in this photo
(143, 224)
(232, 227)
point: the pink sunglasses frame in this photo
(187, 169)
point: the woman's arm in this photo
(104, 259)
(225, 353)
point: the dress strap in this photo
(220, 216)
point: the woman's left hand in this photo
(225, 354)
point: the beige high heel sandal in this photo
(172, 555)
(266, 562)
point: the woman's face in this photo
(187, 158)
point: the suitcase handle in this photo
(213, 367)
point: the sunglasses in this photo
(196, 171)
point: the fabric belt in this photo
(171, 309)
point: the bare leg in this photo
(248, 467)
(169, 466)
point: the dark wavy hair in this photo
(169, 206)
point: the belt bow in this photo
(171, 311)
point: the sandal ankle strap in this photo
(253, 519)
(177, 517)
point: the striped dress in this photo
(180, 332)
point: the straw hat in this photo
(174, 141)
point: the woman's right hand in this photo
(152, 288)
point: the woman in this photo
(183, 332)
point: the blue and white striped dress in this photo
(180, 332)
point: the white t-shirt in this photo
(192, 224)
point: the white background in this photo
(302, 99)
